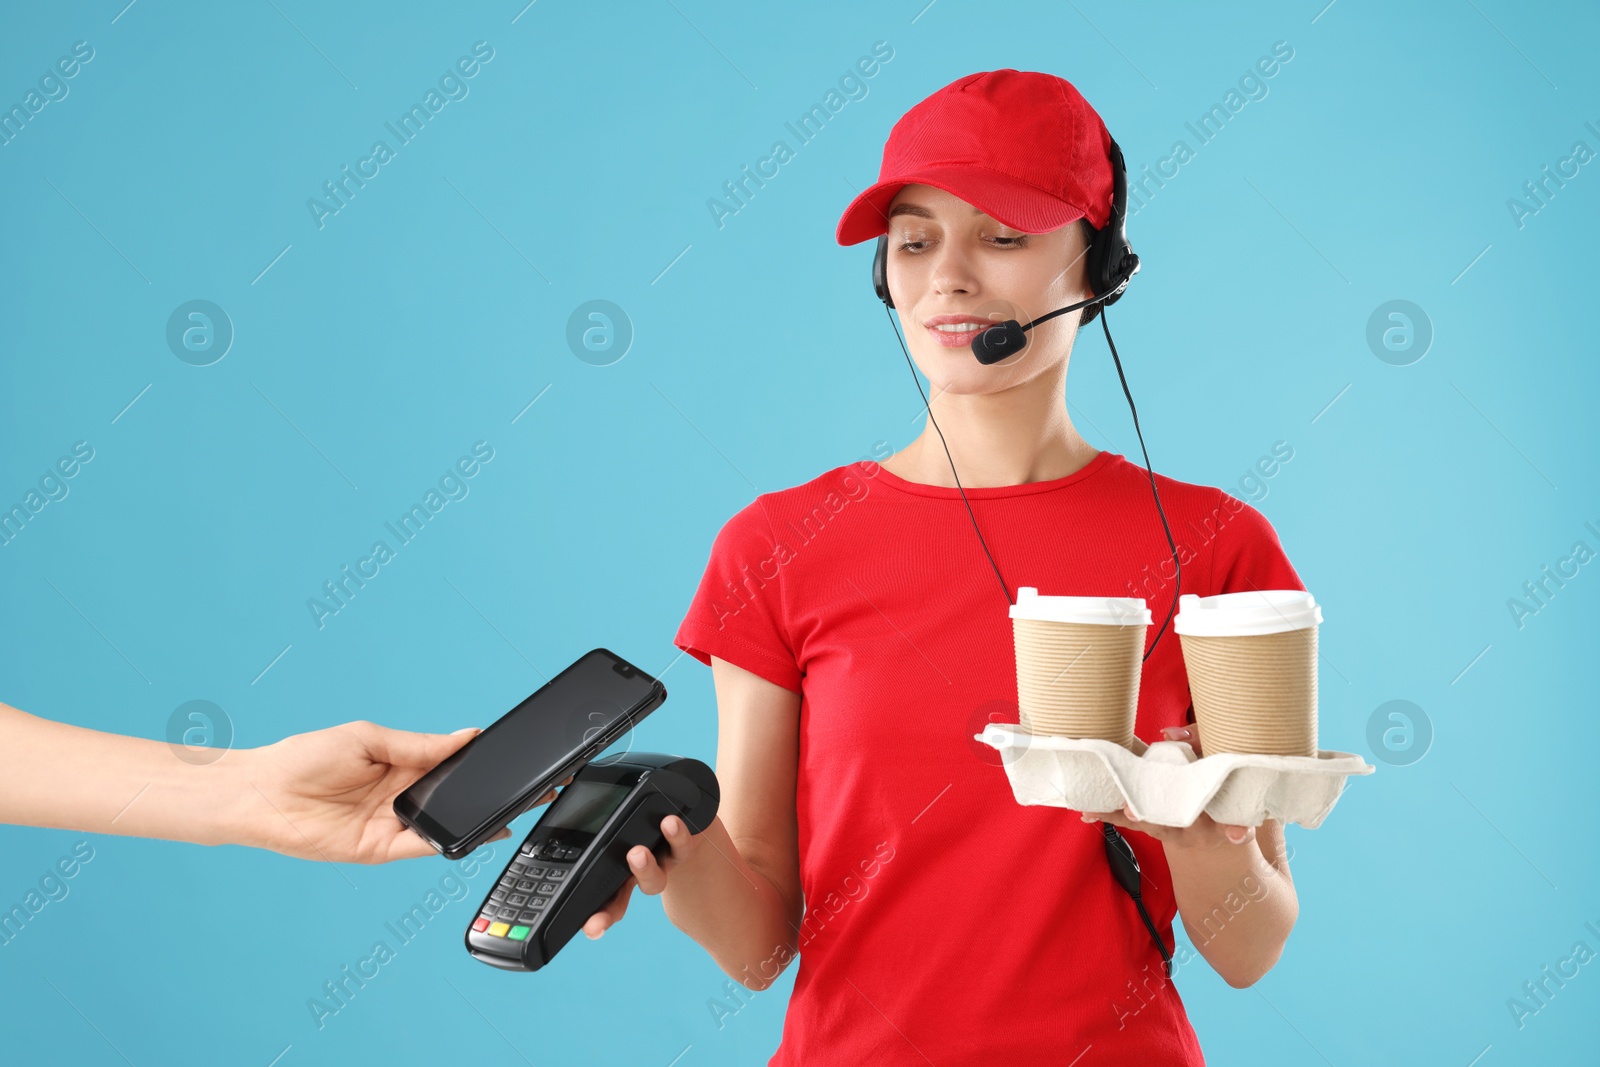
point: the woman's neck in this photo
(1012, 438)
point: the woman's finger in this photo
(646, 870)
(679, 839)
(1115, 818)
(1183, 733)
(1127, 822)
(612, 913)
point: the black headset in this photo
(1111, 264)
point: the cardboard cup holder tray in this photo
(1166, 783)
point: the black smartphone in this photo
(501, 773)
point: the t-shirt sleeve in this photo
(1248, 554)
(737, 613)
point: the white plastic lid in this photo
(1095, 610)
(1260, 611)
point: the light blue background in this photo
(431, 310)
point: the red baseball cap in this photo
(1023, 147)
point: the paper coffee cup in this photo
(1078, 660)
(1252, 663)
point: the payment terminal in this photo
(575, 858)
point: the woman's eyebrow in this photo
(908, 208)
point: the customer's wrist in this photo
(174, 796)
(236, 811)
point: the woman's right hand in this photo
(648, 873)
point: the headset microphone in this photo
(1010, 337)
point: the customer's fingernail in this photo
(464, 730)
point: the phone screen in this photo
(528, 743)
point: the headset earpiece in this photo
(880, 271)
(1112, 262)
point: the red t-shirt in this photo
(945, 921)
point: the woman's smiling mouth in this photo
(956, 331)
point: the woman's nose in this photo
(952, 273)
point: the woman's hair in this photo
(1089, 234)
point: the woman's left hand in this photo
(1203, 834)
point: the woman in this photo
(857, 644)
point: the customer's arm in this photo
(735, 887)
(324, 795)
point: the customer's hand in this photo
(329, 794)
(324, 795)
(649, 874)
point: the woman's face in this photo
(947, 260)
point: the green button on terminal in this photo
(518, 933)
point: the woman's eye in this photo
(1000, 242)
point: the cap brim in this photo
(1013, 203)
